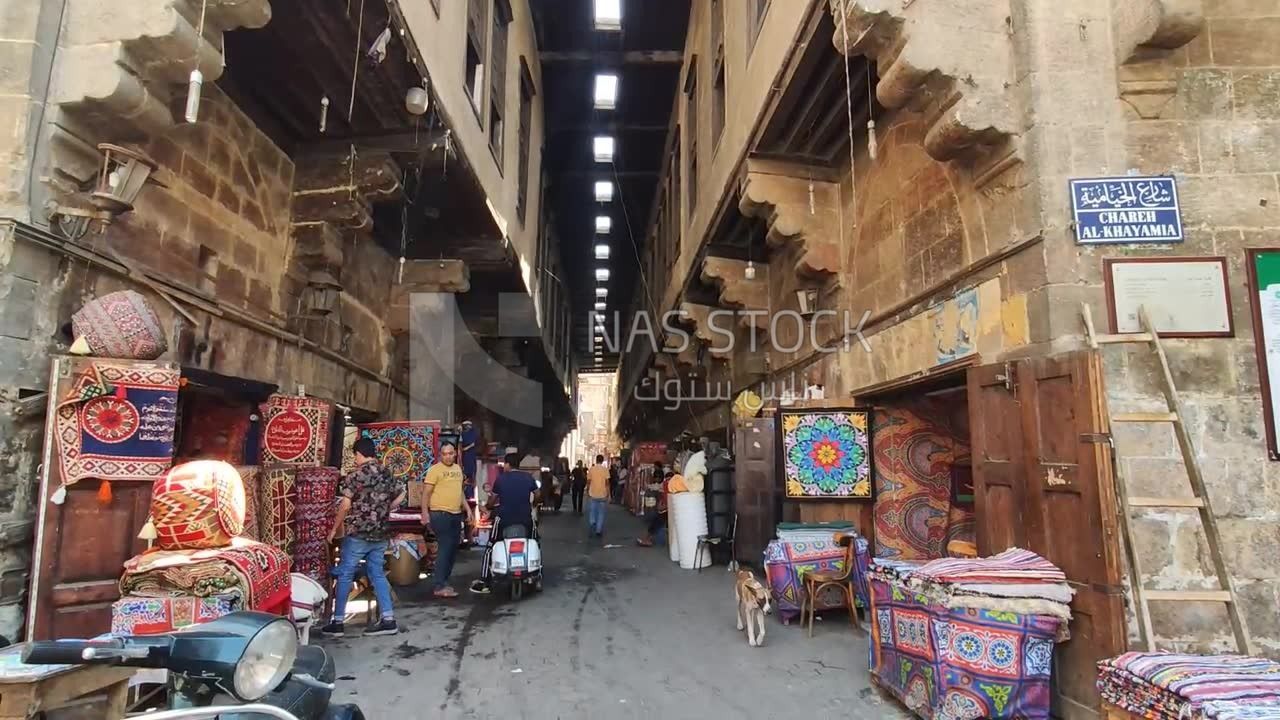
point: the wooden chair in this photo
(816, 582)
(708, 543)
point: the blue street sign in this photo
(1126, 210)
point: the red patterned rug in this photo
(277, 506)
(295, 430)
(256, 570)
(316, 490)
(117, 423)
(121, 325)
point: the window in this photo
(498, 79)
(757, 10)
(526, 118)
(691, 132)
(474, 77)
(717, 65)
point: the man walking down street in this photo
(367, 496)
(579, 486)
(444, 508)
(597, 496)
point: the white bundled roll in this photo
(673, 542)
(690, 512)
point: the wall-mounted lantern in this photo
(807, 301)
(321, 295)
(123, 175)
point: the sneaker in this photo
(479, 587)
(386, 627)
(333, 629)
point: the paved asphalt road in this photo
(617, 632)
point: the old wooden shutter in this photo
(1043, 481)
(81, 544)
(996, 434)
(755, 487)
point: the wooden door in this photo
(995, 428)
(1070, 514)
(81, 544)
(755, 487)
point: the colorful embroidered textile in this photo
(1011, 566)
(295, 430)
(826, 454)
(199, 504)
(947, 663)
(350, 434)
(121, 325)
(259, 572)
(406, 449)
(1168, 685)
(251, 479)
(124, 435)
(214, 430)
(317, 489)
(913, 457)
(277, 507)
(139, 615)
(961, 529)
(785, 564)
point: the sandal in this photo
(446, 592)
(642, 543)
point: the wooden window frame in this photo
(527, 93)
(497, 86)
(757, 10)
(691, 135)
(475, 80)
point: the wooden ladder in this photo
(1175, 415)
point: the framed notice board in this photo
(1264, 294)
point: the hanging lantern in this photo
(807, 301)
(322, 293)
(750, 271)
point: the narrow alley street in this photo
(617, 632)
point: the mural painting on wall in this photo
(826, 454)
(955, 326)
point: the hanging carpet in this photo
(826, 454)
(316, 491)
(406, 449)
(277, 506)
(295, 430)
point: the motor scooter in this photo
(241, 666)
(515, 560)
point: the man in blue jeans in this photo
(366, 497)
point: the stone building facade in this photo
(983, 112)
(242, 217)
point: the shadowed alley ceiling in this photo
(646, 55)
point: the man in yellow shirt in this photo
(597, 496)
(444, 508)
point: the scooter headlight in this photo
(266, 661)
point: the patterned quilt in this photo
(258, 572)
(1168, 685)
(785, 564)
(953, 663)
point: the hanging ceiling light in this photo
(602, 292)
(602, 253)
(606, 91)
(600, 306)
(603, 224)
(608, 14)
(602, 274)
(603, 191)
(602, 148)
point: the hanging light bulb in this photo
(400, 272)
(871, 139)
(193, 95)
(324, 112)
(750, 271)
(812, 207)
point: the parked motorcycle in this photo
(516, 561)
(243, 662)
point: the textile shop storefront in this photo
(937, 478)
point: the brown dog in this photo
(754, 602)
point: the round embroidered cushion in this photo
(199, 504)
(121, 324)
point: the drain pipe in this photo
(44, 60)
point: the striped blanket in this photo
(1166, 685)
(1011, 566)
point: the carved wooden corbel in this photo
(800, 207)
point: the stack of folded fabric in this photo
(201, 566)
(1162, 686)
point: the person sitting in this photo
(659, 517)
(513, 495)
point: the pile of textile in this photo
(1016, 581)
(197, 520)
(968, 637)
(1172, 686)
(802, 548)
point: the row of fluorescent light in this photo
(608, 17)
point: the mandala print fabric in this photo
(120, 325)
(960, 663)
(406, 449)
(826, 454)
(117, 422)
